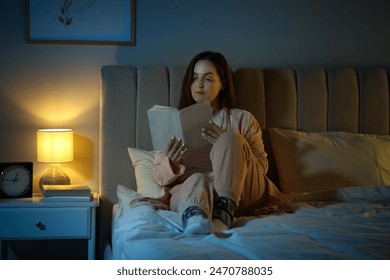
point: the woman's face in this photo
(206, 83)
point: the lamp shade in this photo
(55, 145)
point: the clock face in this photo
(15, 180)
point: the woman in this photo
(227, 178)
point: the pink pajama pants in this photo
(236, 175)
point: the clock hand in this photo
(12, 180)
(17, 178)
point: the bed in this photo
(326, 132)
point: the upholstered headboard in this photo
(309, 99)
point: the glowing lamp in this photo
(54, 146)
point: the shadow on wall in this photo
(16, 142)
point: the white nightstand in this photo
(33, 218)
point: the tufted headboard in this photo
(306, 99)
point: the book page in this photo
(161, 107)
(193, 119)
(163, 124)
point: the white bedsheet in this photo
(356, 228)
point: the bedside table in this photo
(34, 218)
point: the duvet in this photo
(355, 226)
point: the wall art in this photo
(95, 22)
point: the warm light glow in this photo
(55, 145)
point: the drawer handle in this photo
(40, 225)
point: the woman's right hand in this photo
(175, 151)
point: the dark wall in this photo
(45, 85)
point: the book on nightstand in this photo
(66, 192)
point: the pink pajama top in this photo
(241, 121)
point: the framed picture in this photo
(92, 22)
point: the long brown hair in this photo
(226, 97)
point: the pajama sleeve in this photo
(163, 172)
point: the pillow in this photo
(308, 162)
(143, 166)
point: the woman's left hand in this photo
(211, 134)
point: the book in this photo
(66, 198)
(65, 190)
(186, 124)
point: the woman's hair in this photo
(226, 97)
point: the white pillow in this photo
(143, 165)
(309, 162)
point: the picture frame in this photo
(83, 22)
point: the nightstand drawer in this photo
(44, 223)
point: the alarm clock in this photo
(16, 179)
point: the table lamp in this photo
(54, 146)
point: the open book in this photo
(186, 124)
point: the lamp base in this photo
(54, 176)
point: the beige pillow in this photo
(309, 162)
(143, 166)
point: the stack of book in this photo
(66, 192)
